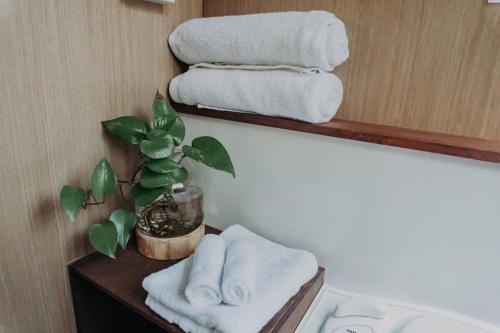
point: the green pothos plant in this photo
(159, 168)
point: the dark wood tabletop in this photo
(121, 280)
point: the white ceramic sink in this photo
(336, 311)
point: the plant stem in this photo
(95, 202)
(123, 195)
(120, 181)
(182, 157)
(132, 181)
(139, 167)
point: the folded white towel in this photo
(305, 39)
(280, 273)
(185, 323)
(238, 277)
(203, 287)
(312, 98)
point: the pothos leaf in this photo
(129, 129)
(172, 125)
(150, 179)
(161, 107)
(104, 238)
(163, 165)
(144, 196)
(103, 180)
(158, 148)
(124, 222)
(72, 199)
(210, 152)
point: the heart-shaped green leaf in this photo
(129, 129)
(193, 153)
(104, 238)
(150, 179)
(180, 175)
(163, 122)
(103, 180)
(144, 196)
(164, 165)
(161, 107)
(72, 199)
(124, 222)
(165, 117)
(157, 134)
(177, 130)
(210, 152)
(159, 148)
(173, 125)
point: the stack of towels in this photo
(275, 64)
(234, 283)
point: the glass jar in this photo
(172, 216)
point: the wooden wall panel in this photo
(432, 65)
(65, 66)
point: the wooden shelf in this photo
(477, 149)
(108, 295)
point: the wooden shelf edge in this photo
(466, 147)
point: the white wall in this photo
(389, 222)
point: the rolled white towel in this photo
(312, 98)
(238, 276)
(305, 39)
(203, 286)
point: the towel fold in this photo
(311, 98)
(238, 277)
(303, 70)
(185, 323)
(203, 287)
(305, 39)
(280, 273)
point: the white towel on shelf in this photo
(311, 98)
(185, 323)
(280, 273)
(238, 277)
(304, 39)
(203, 287)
